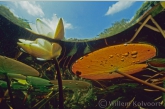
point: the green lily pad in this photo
(73, 84)
(15, 76)
(18, 86)
(3, 84)
(9, 65)
(38, 82)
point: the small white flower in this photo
(44, 29)
(41, 48)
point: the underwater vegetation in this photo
(124, 71)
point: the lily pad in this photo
(158, 63)
(101, 63)
(111, 75)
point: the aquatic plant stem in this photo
(157, 25)
(138, 30)
(158, 29)
(45, 100)
(10, 92)
(61, 102)
(141, 81)
(48, 100)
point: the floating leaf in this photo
(99, 64)
(129, 70)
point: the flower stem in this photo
(141, 81)
(61, 102)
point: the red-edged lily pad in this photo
(157, 62)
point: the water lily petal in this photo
(25, 47)
(56, 49)
(38, 51)
(42, 27)
(26, 41)
(44, 43)
(59, 32)
(41, 48)
(33, 27)
(51, 34)
(41, 52)
(33, 49)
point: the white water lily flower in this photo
(44, 29)
(41, 48)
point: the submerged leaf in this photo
(73, 50)
(73, 84)
(38, 82)
(3, 84)
(8, 65)
(87, 49)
